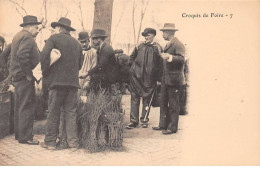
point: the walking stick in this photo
(148, 107)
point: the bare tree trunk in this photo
(103, 16)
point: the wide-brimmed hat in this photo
(63, 22)
(96, 33)
(83, 36)
(29, 20)
(169, 27)
(148, 30)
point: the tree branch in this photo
(20, 6)
(133, 18)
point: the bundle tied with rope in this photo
(101, 120)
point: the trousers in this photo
(169, 107)
(135, 104)
(24, 108)
(64, 98)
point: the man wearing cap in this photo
(106, 68)
(65, 83)
(172, 80)
(89, 61)
(24, 58)
(144, 74)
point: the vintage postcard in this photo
(95, 105)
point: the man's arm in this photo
(178, 54)
(23, 55)
(81, 58)
(45, 55)
(133, 56)
(104, 59)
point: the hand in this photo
(85, 86)
(165, 55)
(158, 83)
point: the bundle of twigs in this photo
(101, 120)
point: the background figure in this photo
(24, 58)
(89, 61)
(144, 74)
(64, 85)
(124, 69)
(105, 72)
(172, 80)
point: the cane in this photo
(147, 108)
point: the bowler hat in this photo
(169, 27)
(148, 30)
(29, 20)
(96, 33)
(83, 36)
(63, 22)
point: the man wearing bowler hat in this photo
(106, 68)
(24, 58)
(64, 85)
(144, 74)
(89, 61)
(172, 80)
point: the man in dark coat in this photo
(64, 84)
(172, 80)
(24, 58)
(106, 68)
(144, 74)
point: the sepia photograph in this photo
(129, 83)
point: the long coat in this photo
(144, 72)
(65, 71)
(24, 55)
(106, 66)
(172, 74)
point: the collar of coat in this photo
(24, 30)
(67, 33)
(171, 42)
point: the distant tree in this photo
(103, 16)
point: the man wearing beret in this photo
(89, 61)
(64, 85)
(172, 80)
(24, 58)
(144, 74)
(106, 68)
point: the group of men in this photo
(77, 64)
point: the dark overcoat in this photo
(172, 74)
(24, 55)
(106, 66)
(144, 72)
(65, 71)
